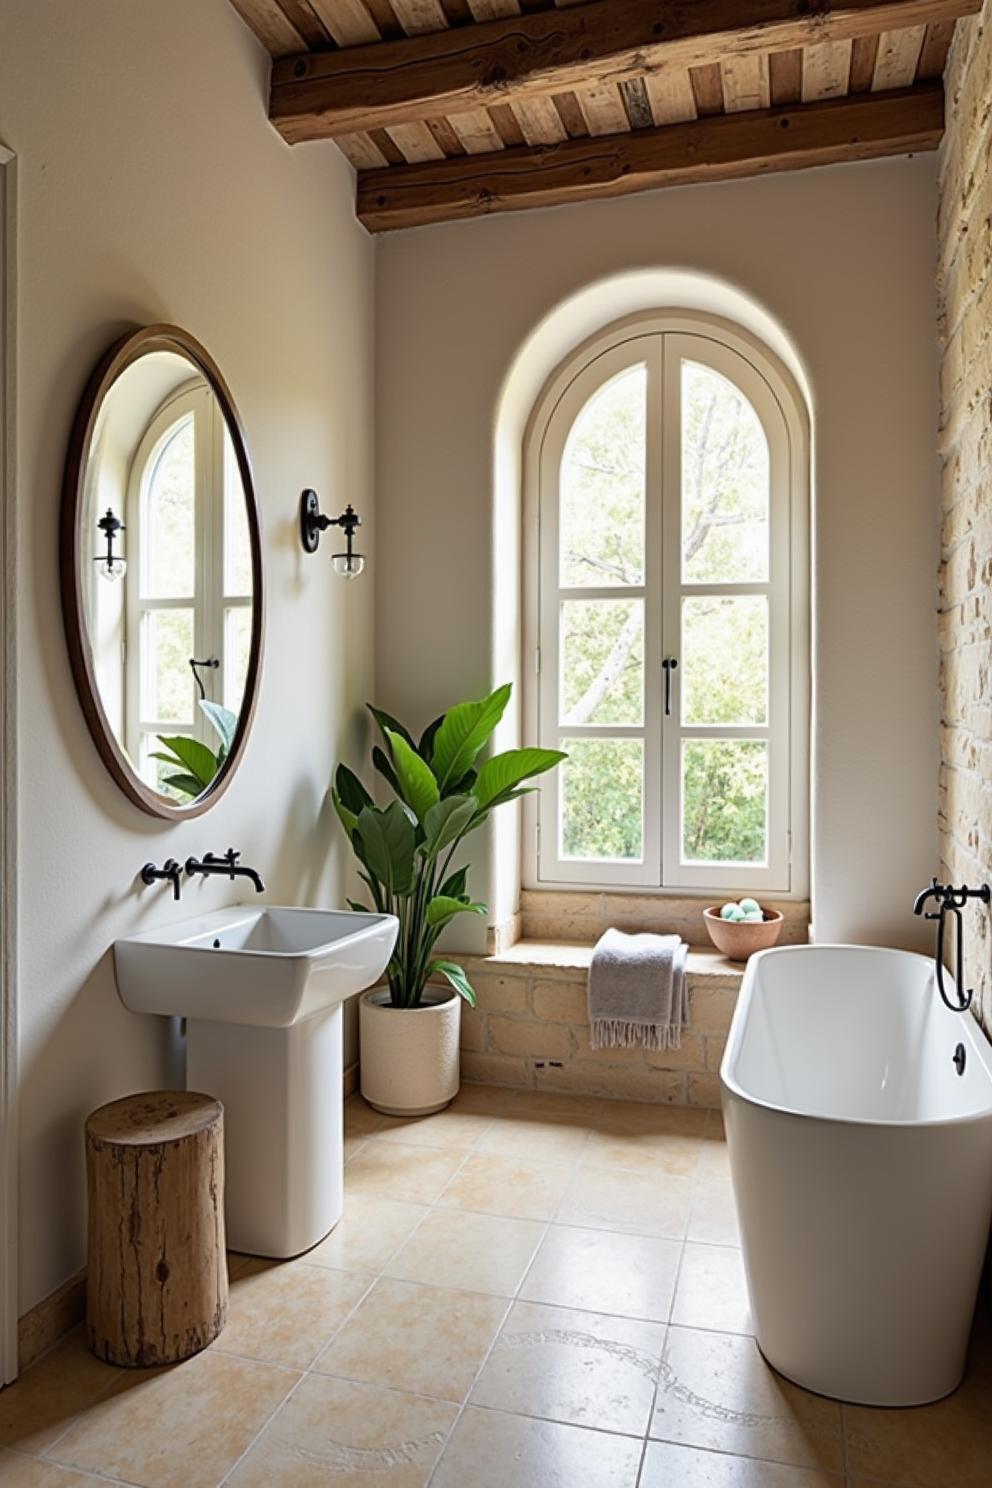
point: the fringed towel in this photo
(637, 991)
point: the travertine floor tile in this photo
(712, 1290)
(635, 1203)
(333, 1432)
(182, 1427)
(713, 1213)
(38, 1408)
(581, 1368)
(536, 1138)
(426, 1340)
(717, 1392)
(395, 1170)
(602, 1271)
(459, 1125)
(935, 1446)
(490, 1184)
(666, 1466)
(368, 1234)
(30, 1472)
(283, 1312)
(642, 1149)
(473, 1252)
(491, 1450)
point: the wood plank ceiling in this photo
(455, 108)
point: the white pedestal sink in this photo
(261, 991)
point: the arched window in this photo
(668, 467)
(188, 594)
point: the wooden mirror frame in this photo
(123, 354)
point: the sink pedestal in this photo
(284, 1143)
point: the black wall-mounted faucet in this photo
(169, 870)
(227, 864)
(950, 901)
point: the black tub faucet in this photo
(227, 865)
(950, 901)
(169, 870)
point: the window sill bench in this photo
(531, 1029)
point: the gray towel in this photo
(638, 992)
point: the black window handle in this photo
(669, 663)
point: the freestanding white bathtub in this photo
(862, 1169)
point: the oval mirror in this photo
(162, 571)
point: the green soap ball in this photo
(751, 916)
(750, 906)
(736, 914)
(729, 912)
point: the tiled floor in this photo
(526, 1291)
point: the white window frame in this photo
(660, 341)
(209, 601)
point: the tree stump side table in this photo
(156, 1281)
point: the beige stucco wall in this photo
(842, 262)
(965, 302)
(151, 187)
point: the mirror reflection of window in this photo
(188, 590)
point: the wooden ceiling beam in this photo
(323, 95)
(719, 148)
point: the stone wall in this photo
(965, 601)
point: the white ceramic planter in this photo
(409, 1056)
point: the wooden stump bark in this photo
(156, 1284)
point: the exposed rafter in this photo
(713, 149)
(604, 42)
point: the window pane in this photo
(724, 801)
(237, 647)
(166, 676)
(237, 548)
(725, 659)
(602, 488)
(602, 791)
(168, 518)
(602, 661)
(725, 482)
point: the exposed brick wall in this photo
(965, 299)
(531, 1029)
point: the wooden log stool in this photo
(156, 1281)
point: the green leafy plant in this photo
(194, 764)
(442, 794)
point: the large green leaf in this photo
(464, 732)
(351, 790)
(454, 887)
(223, 720)
(188, 784)
(384, 765)
(390, 725)
(425, 747)
(441, 909)
(456, 976)
(446, 821)
(388, 841)
(198, 760)
(417, 785)
(347, 818)
(504, 772)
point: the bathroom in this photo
(411, 375)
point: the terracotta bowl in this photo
(738, 939)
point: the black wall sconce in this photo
(347, 565)
(112, 567)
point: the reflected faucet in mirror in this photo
(227, 864)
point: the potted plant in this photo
(410, 1027)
